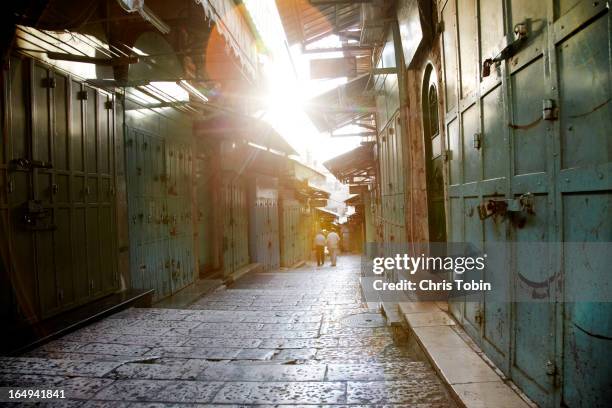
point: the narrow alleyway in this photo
(298, 337)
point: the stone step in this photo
(472, 380)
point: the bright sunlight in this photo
(290, 88)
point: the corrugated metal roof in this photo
(354, 199)
(237, 126)
(343, 105)
(305, 21)
(354, 167)
(327, 212)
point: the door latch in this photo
(477, 141)
(516, 209)
(25, 164)
(520, 35)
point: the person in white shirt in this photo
(319, 243)
(333, 239)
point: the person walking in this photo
(333, 241)
(319, 243)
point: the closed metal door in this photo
(180, 234)
(289, 242)
(148, 212)
(584, 197)
(538, 127)
(235, 226)
(240, 227)
(205, 214)
(61, 189)
(160, 171)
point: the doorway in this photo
(434, 157)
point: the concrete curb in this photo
(473, 380)
(254, 267)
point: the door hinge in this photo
(109, 104)
(81, 95)
(448, 155)
(477, 141)
(549, 111)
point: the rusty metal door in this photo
(580, 48)
(160, 191)
(533, 134)
(178, 198)
(148, 212)
(291, 247)
(241, 225)
(264, 228)
(236, 223)
(61, 189)
(205, 213)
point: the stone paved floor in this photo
(285, 338)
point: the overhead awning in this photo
(315, 192)
(247, 159)
(324, 212)
(354, 167)
(238, 127)
(302, 171)
(354, 200)
(198, 30)
(230, 22)
(303, 190)
(308, 21)
(348, 104)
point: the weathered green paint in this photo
(295, 232)
(68, 256)
(205, 213)
(264, 221)
(236, 222)
(389, 215)
(553, 348)
(160, 193)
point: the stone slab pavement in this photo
(299, 337)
